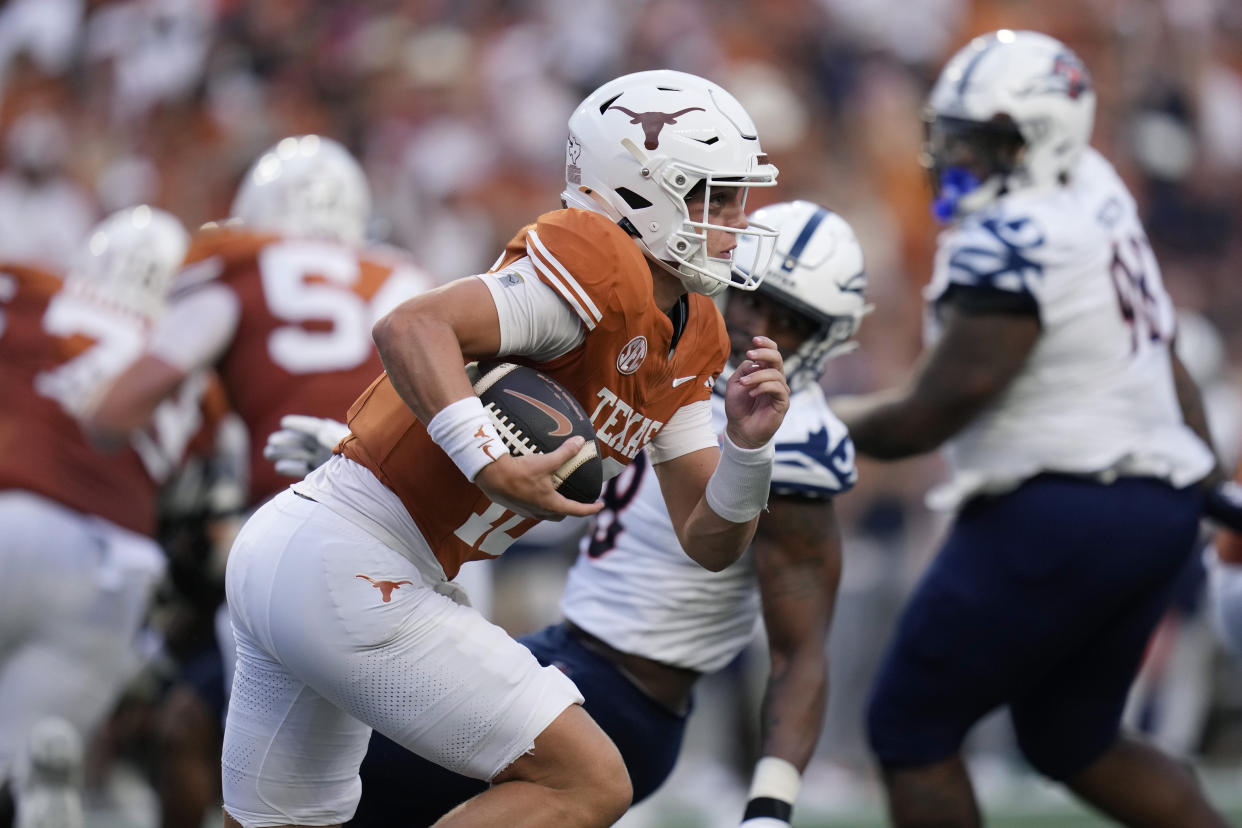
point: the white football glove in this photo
(303, 443)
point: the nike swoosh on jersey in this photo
(683, 380)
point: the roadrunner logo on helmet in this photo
(1011, 110)
(639, 144)
(818, 272)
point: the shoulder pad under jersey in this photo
(994, 250)
(212, 247)
(591, 262)
(814, 452)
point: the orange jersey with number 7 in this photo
(46, 357)
(302, 341)
(625, 373)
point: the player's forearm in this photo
(723, 521)
(890, 425)
(131, 400)
(794, 702)
(712, 541)
(1190, 400)
(423, 359)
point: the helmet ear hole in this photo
(633, 199)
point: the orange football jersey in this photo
(42, 449)
(623, 374)
(303, 341)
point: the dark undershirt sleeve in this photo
(973, 299)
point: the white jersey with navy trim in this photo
(635, 588)
(1096, 395)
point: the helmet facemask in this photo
(969, 163)
(833, 337)
(686, 251)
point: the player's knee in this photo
(1057, 755)
(580, 769)
(599, 790)
(611, 784)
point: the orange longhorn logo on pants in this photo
(385, 587)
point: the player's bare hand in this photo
(757, 395)
(525, 484)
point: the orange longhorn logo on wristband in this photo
(486, 445)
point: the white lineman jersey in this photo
(635, 588)
(1096, 395)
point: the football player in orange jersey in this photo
(280, 299)
(339, 588)
(78, 563)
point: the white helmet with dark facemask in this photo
(306, 186)
(1013, 109)
(639, 144)
(816, 271)
(129, 260)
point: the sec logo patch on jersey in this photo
(534, 414)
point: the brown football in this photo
(535, 414)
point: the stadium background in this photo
(457, 110)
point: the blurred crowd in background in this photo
(457, 111)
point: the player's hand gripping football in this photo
(757, 396)
(525, 485)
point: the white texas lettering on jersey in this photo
(1096, 394)
(620, 426)
(633, 584)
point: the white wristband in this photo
(465, 431)
(773, 791)
(738, 488)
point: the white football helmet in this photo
(308, 186)
(640, 143)
(129, 260)
(818, 271)
(1009, 110)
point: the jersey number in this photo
(1143, 304)
(115, 343)
(618, 494)
(286, 269)
(306, 283)
(489, 532)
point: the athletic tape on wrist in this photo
(773, 789)
(465, 431)
(738, 488)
